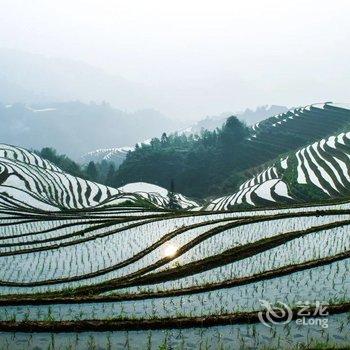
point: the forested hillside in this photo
(188, 160)
(118, 154)
(216, 162)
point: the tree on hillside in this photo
(199, 163)
(91, 171)
(164, 138)
(173, 202)
(233, 132)
(61, 160)
(110, 175)
(49, 154)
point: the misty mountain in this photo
(248, 116)
(251, 117)
(75, 128)
(32, 78)
(118, 154)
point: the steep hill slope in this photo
(217, 162)
(316, 172)
(300, 126)
(28, 181)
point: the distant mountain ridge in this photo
(118, 154)
(75, 128)
(32, 78)
(248, 116)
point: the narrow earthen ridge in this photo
(156, 323)
(43, 299)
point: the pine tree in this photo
(164, 139)
(91, 171)
(173, 202)
(110, 175)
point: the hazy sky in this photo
(197, 57)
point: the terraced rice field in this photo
(137, 273)
(30, 182)
(86, 266)
(322, 166)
